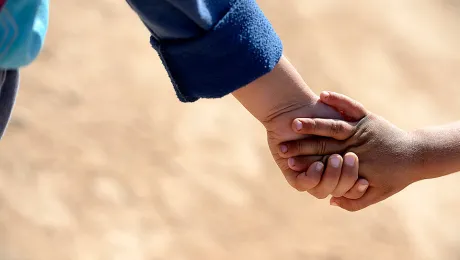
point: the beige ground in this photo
(102, 162)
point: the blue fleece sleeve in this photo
(210, 47)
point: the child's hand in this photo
(276, 99)
(386, 153)
(335, 180)
(340, 178)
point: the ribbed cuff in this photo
(241, 48)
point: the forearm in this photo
(438, 150)
(280, 90)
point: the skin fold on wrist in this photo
(280, 91)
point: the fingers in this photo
(339, 179)
(337, 129)
(295, 178)
(349, 175)
(311, 146)
(311, 178)
(302, 163)
(372, 196)
(347, 106)
(358, 190)
(330, 178)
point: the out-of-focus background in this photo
(101, 161)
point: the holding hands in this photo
(390, 159)
(332, 145)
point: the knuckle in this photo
(299, 147)
(321, 146)
(313, 125)
(354, 103)
(336, 128)
(359, 106)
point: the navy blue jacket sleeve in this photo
(210, 47)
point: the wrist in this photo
(280, 91)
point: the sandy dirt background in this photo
(101, 161)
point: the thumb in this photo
(349, 108)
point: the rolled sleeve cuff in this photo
(242, 47)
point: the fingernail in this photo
(298, 125)
(363, 184)
(325, 94)
(291, 162)
(350, 160)
(283, 148)
(335, 162)
(362, 188)
(333, 203)
(319, 167)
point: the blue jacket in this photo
(209, 47)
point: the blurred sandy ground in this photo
(102, 162)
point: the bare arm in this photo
(279, 91)
(439, 150)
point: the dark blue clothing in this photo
(9, 84)
(210, 47)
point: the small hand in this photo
(385, 152)
(276, 99)
(338, 179)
